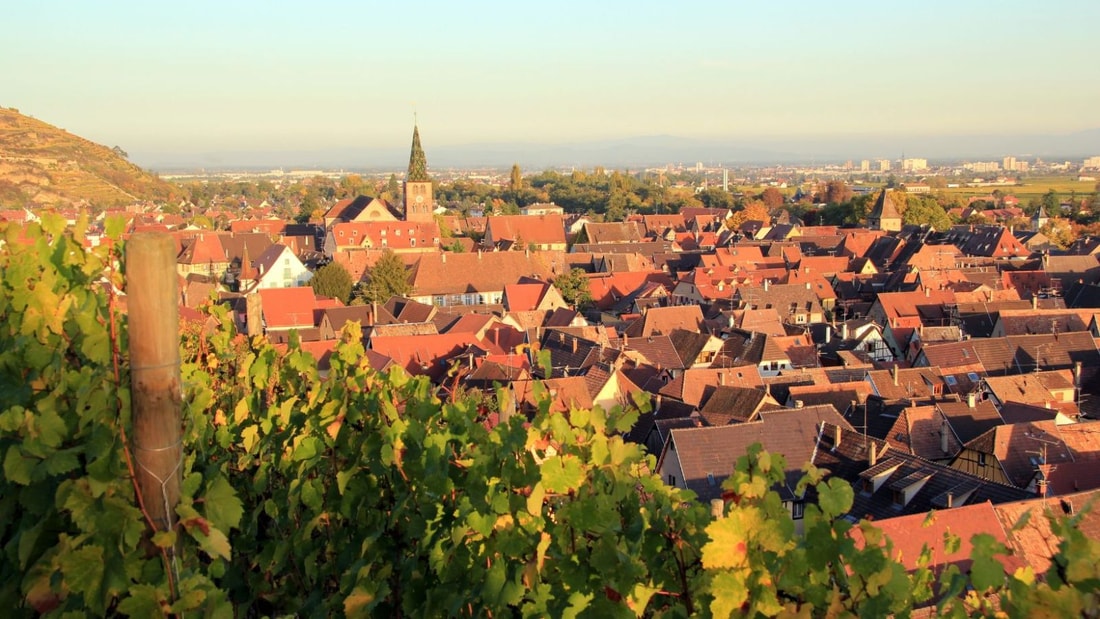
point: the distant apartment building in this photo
(883, 165)
(1009, 164)
(865, 165)
(982, 166)
(914, 165)
(1092, 162)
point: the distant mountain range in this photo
(648, 151)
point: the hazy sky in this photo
(233, 75)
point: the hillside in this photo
(42, 165)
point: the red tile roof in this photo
(288, 308)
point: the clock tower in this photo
(419, 201)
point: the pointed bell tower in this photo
(419, 201)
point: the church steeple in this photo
(419, 198)
(418, 163)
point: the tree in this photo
(307, 209)
(516, 182)
(1060, 232)
(573, 287)
(714, 197)
(332, 280)
(753, 211)
(1051, 203)
(837, 192)
(924, 211)
(387, 278)
(772, 197)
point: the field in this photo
(1031, 187)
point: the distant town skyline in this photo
(204, 79)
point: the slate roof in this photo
(849, 461)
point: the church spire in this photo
(418, 163)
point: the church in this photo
(418, 198)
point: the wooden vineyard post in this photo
(153, 307)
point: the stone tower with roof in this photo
(418, 185)
(1039, 219)
(885, 215)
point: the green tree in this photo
(714, 197)
(307, 209)
(515, 183)
(1051, 204)
(574, 288)
(924, 211)
(387, 278)
(332, 280)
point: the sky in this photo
(201, 77)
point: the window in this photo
(797, 510)
(981, 459)
(672, 480)
(950, 380)
(710, 480)
(973, 377)
(899, 497)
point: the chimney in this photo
(574, 346)
(944, 429)
(443, 256)
(927, 291)
(872, 455)
(808, 286)
(971, 399)
(828, 334)
(626, 340)
(894, 373)
(765, 285)
(836, 436)
(721, 378)
(1077, 374)
(1034, 302)
(844, 330)
(800, 404)
(950, 499)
